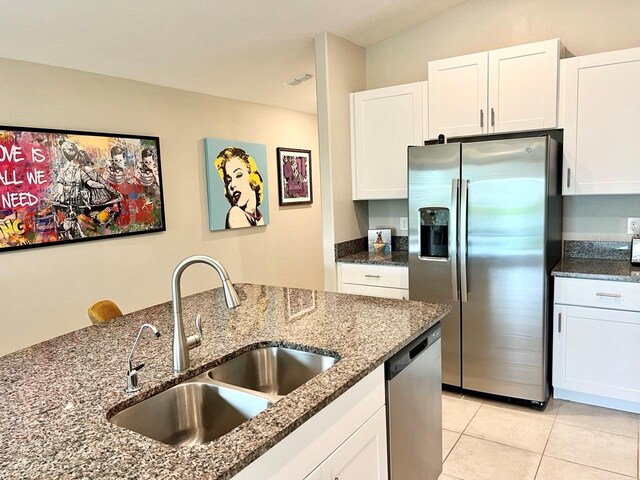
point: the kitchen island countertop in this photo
(56, 395)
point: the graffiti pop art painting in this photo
(236, 184)
(63, 186)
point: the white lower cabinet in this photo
(346, 440)
(374, 280)
(363, 455)
(596, 353)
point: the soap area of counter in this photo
(57, 394)
(597, 260)
(357, 251)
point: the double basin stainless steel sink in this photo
(217, 401)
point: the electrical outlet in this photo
(633, 226)
(404, 223)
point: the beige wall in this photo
(340, 70)
(46, 291)
(584, 27)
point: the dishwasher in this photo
(414, 409)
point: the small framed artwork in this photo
(294, 176)
(379, 240)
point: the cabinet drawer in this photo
(598, 293)
(375, 275)
(385, 292)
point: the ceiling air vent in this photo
(298, 80)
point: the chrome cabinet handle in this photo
(481, 118)
(493, 117)
(568, 177)
(372, 276)
(560, 323)
(608, 295)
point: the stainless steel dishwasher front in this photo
(414, 409)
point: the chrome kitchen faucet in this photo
(132, 372)
(181, 343)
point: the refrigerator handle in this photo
(453, 238)
(464, 221)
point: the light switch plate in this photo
(633, 226)
(404, 223)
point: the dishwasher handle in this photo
(409, 353)
(415, 351)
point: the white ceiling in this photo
(241, 49)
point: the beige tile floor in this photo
(488, 440)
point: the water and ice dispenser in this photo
(434, 232)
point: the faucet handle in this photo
(199, 325)
(196, 340)
(135, 370)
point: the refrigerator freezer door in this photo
(433, 277)
(503, 319)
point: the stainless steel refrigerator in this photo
(485, 220)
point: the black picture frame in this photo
(90, 225)
(294, 176)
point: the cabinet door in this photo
(523, 87)
(602, 121)
(385, 122)
(596, 352)
(363, 455)
(458, 96)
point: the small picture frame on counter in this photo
(379, 241)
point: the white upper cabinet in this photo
(458, 96)
(602, 121)
(384, 122)
(506, 90)
(523, 87)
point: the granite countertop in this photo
(56, 395)
(397, 259)
(597, 269)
